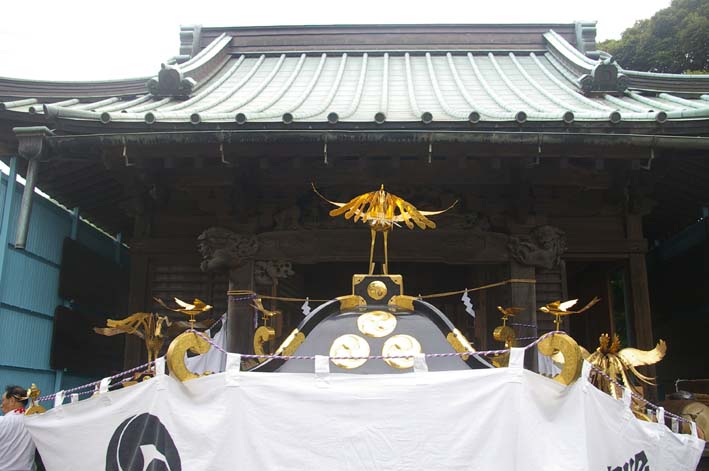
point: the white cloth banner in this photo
(477, 420)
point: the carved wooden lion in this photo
(543, 247)
(223, 249)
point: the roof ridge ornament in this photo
(171, 82)
(598, 74)
(605, 78)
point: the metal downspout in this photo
(31, 147)
(23, 220)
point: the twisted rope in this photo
(218, 347)
(441, 355)
(375, 357)
(244, 295)
(93, 384)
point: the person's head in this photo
(13, 398)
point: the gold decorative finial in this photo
(505, 333)
(558, 309)
(379, 209)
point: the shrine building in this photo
(567, 169)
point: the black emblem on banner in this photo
(142, 443)
(638, 463)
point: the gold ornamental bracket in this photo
(573, 360)
(382, 211)
(460, 343)
(187, 341)
(266, 332)
(291, 343)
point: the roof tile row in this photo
(381, 86)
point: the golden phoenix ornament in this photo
(620, 364)
(145, 325)
(382, 211)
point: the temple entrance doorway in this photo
(609, 281)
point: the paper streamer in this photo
(306, 307)
(468, 304)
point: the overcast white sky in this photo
(90, 40)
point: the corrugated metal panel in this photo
(29, 292)
(72, 381)
(50, 224)
(43, 379)
(96, 241)
(25, 339)
(29, 283)
(3, 185)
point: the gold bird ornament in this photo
(508, 312)
(382, 211)
(620, 364)
(266, 313)
(196, 308)
(558, 309)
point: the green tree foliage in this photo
(675, 40)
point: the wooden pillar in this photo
(137, 295)
(139, 282)
(639, 293)
(524, 295)
(240, 314)
(640, 300)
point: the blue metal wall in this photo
(29, 281)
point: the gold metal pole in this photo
(371, 252)
(386, 252)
